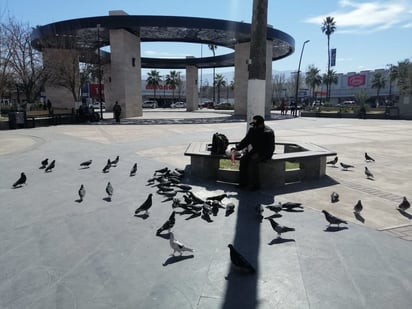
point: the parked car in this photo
(178, 105)
(224, 105)
(96, 106)
(150, 104)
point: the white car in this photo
(149, 104)
(178, 105)
(96, 106)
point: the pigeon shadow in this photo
(84, 168)
(193, 216)
(273, 216)
(280, 240)
(16, 187)
(142, 216)
(174, 259)
(405, 214)
(107, 199)
(370, 178)
(164, 235)
(359, 217)
(78, 200)
(335, 228)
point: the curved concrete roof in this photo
(84, 34)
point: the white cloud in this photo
(160, 54)
(369, 16)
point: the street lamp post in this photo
(298, 74)
(99, 66)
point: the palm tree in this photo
(330, 78)
(172, 80)
(213, 47)
(313, 79)
(378, 82)
(328, 27)
(153, 80)
(219, 83)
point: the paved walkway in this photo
(58, 253)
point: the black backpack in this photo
(219, 143)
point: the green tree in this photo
(329, 79)
(153, 80)
(219, 84)
(172, 80)
(403, 74)
(313, 79)
(328, 28)
(378, 82)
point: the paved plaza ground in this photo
(58, 253)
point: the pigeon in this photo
(280, 228)
(215, 207)
(168, 225)
(22, 180)
(259, 212)
(219, 197)
(145, 206)
(86, 164)
(239, 262)
(291, 205)
(50, 166)
(346, 166)
(404, 205)
(195, 198)
(275, 208)
(230, 208)
(109, 191)
(82, 193)
(161, 171)
(177, 245)
(115, 161)
(44, 163)
(358, 207)
(368, 173)
(107, 166)
(368, 158)
(334, 197)
(332, 219)
(333, 162)
(133, 170)
(184, 187)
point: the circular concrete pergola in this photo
(85, 37)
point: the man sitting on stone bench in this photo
(259, 145)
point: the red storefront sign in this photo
(94, 90)
(356, 80)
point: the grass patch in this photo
(226, 164)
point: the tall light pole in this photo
(298, 74)
(99, 65)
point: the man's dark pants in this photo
(249, 170)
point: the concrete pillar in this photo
(192, 96)
(269, 86)
(242, 51)
(125, 71)
(61, 65)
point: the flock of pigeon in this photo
(184, 201)
(357, 209)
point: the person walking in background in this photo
(117, 110)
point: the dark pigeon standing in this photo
(259, 212)
(145, 206)
(333, 162)
(86, 164)
(358, 207)
(106, 168)
(404, 205)
(115, 161)
(275, 208)
(82, 193)
(133, 170)
(44, 163)
(368, 173)
(168, 225)
(334, 197)
(109, 191)
(332, 219)
(291, 205)
(279, 228)
(239, 262)
(51, 166)
(22, 180)
(346, 166)
(230, 208)
(368, 158)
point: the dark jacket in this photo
(262, 141)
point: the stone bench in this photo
(310, 157)
(42, 117)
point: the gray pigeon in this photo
(86, 164)
(82, 193)
(230, 208)
(145, 206)
(358, 207)
(44, 163)
(333, 162)
(368, 173)
(51, 166)
(280, 228)
(239, 262)
(177, 245)
(133, 170)
(259, 212)
(109, 191)
(404, 205)
(275, 208)
(368, 158)
(291, 205)
(334, 197)
(115, 161)
(106, 168)
(168, 225)
(346, 166)
(332, 219)
(22, 180)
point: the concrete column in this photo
(125, 71)
(61, 65)
(242, 51)
(192, 96)
(269, 86)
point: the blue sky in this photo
(370, 34)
